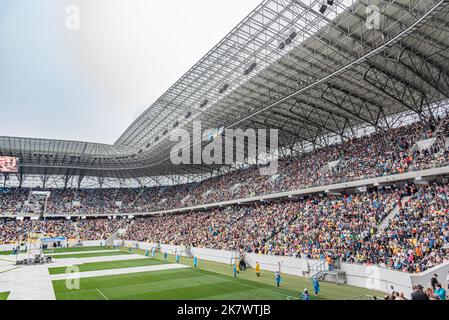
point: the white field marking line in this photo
(8, 270)
(79, 252)
(248, 285)
(58, 263)
(114, 272)
(99, 291)
(292, 298)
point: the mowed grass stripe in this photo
(108, 265)
(145, 290)
(195, 291)
(171, 284)
(129, 280)
(214, 280)
(295, 284)
(91, 255)
(4, 295)
(76, 249)
(5, 253)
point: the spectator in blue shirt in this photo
(440, 292)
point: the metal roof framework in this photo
(314, 77)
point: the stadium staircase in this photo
(110, 241)
(335, 275)
(384, 224)
(141, 192)
(427, 143)
(424, 144)
(329, 167)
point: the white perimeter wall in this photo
(369, 277)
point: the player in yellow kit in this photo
(257, 269)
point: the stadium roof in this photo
(285, 66)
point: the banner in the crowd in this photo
(54, 239)
(9, 164)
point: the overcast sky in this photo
(90, 84)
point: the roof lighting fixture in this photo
(224, 88)
(250, 69)
(323, 8)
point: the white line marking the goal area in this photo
(99, 291)
(74, 253)
(114, 272)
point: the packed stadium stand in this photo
(363, 148)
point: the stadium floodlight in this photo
(250, 69)
(224, 88)
(323, 8)
(330, 2)
(282, 45)
(293, 35)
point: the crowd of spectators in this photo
(13, 231)
(382, 153)
(437, 153)
(345, 228)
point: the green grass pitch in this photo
(89, 255)
(109, 265)
(75, 249)
(4, 295)
(5, 253)
(211, 281)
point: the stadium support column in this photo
(20, 178)
(44, 180)
(66, 180)
(80, 180)
(101, 182)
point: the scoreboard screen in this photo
(9, 164)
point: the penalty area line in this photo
(99, 291)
